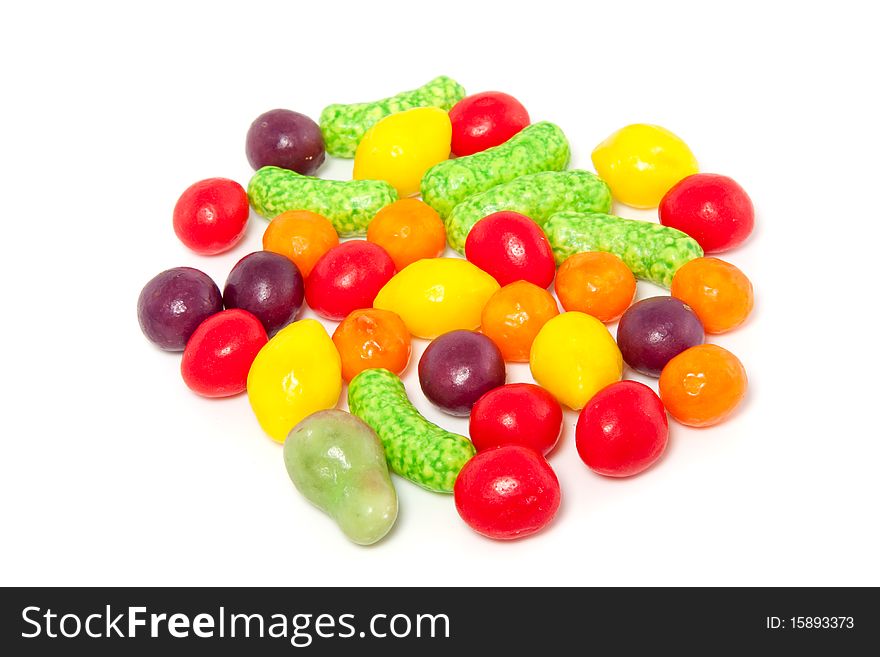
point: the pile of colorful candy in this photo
(508, 203)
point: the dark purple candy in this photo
(286, 139)
(267, 285)
(173, 304)
(457, 368)
(653, 331)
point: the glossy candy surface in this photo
(267, 285)
(400, 148)
(173, 303)
(507, 493)
(457, 368)
(211, 215)
(717, 291)
(408, 230)
(370, 338)
(595, 283)
(348, 277)
(573, 357)
(416, 449)
(302, 236)
(219, 354)
(513, 316)
(295, 374)
(337, 462)
(516, 414)
(712, 209)
(511, 247)
(642, 162)
(485, 120)
(437, 295)
(286, 139)
(622, 430)
(654, 330)
(703, 385)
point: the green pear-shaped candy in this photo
(337, 462)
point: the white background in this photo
(112, 472)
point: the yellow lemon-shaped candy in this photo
(574, 357)
(437, 295)
(401, 147)
(642, 162)
(295, 374)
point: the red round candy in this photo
(485, 120)
(511, 247)
(348, 277)
(712, 209)
(622, 430)
(219, 354)
(211, 216)
(507, 492)
(516, 414)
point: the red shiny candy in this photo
(485, 120)
(507, 492)
(348, 277)
(516, 414)
(211, 216)
(219, 354)
(622, 430)
(712, 209)
(511, 247)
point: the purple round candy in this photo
(655, 330)
(457, 368)
(269, 286)
(173, 304)
(286, 139)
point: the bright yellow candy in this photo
(295, 374)
(437, 295)
(642, 162)
(574, 357)
(401, 147)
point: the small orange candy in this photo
(409, 230)
(513, 316)
(595, 283)
(302, 236)
(703, 385)
(719, 293)
(370, 338)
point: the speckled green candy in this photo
(415, 448)
(344, 125)
(538, 196)
(536, 148)
(349, 204)
(653, 252)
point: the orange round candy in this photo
(702, 385)
(409, 230)
(719, 293)
(513, 316)
(302, 236)
(595, 283)
(370, 338)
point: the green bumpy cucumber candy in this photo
(538, 147)
(350, 205)
(537, 196)
(343, 125)
(415, 448)
(653, 252)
